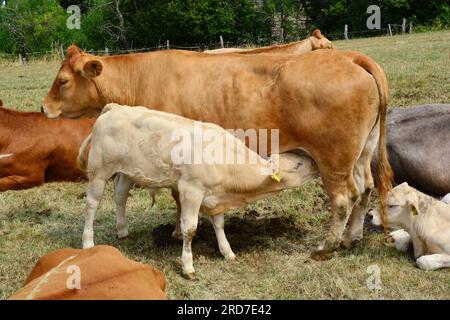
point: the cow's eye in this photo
(63, 82)
(392, 206)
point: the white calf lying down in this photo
(137, 143)
(425, 222)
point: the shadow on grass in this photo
(247, 233)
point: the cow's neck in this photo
(117, 83)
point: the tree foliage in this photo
(38, 25)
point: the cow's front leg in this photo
(122, 186)
(218, 223)
(190, 199)
(94, 194)
(343, 197)
(21, 182)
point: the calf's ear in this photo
(414, 207)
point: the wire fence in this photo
(58, 53)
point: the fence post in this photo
(410, 27)
(404, 26)
(61, 52)
(390, 29)
(221, 41)
(106, 52)
(346, 32)
(22, 59)
(168, 45)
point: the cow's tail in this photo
(384, 170)
(83, 153)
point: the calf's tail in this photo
(83, 153)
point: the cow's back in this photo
(419, 147)
(104, 274)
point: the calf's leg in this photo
(122, 186)
(433, 261)
(190, 199)
(177, 232)
(94, 194)
(224, 246)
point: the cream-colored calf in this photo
(138, 144)
(426, 221)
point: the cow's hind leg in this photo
(122, 186)
(94, 193)
(364, 182)
(343, 194)
(190, 200)
(218, 223)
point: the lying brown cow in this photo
(314, 42)
(330, 103)
(35, 149)
(99, 273)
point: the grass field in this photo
(272, 238)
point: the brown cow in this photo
(330, 103)
(35, 149)
(314, 42)
(99, 273)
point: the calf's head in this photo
(295, 169)
(403, 206)
(74, 91)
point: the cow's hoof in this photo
(177, 235)
(350, 243)
(321, 255)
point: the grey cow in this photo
(419, 147)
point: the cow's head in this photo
(403, 206)
(319, 41)
(74, 91)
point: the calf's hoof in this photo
(88, 244)
(189, 275)
(122, 234)
(230, 257)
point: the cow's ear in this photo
(92, 68)
(317, 34)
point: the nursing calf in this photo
(426, 221)
(35, 149)
(142, 146)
